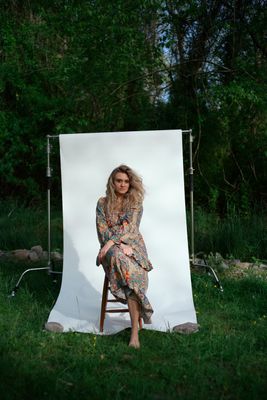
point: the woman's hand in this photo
(104, 250)
(127, 250)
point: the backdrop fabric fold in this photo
(87, 160)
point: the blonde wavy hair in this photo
(135, 195)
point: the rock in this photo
(56, 256)
(54, 327)
(33, 256)
(263, 266)
(224, 265)
(38, 250)
(186, 328)
(235, 262)
(219, 261)
(243, 265)
(20, 254)
(36, 253)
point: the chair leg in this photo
(104, 304)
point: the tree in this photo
(217, 86)
(69, 67)
(94, 65)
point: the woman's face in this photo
(121, 183)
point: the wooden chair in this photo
(104, 304)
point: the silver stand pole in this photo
(48, 175)
(49, 267)
(191, 183)
(191, 173)
(193, 261)
(49, 170)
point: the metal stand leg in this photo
(210, 271)
(16, 287)
(48, 268)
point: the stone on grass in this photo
(33, 256)
(54, 327)
(224, 265)
(236, 262)
(244, 265)
(38, 250)
(56, 256)
(20, 254)
(186, 328)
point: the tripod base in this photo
(16, 287)
(210, 271)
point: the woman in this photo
(123, 253)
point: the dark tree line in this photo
(93, 65)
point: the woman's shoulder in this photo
(138, 206)
(101, 201)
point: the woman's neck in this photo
(119, 198)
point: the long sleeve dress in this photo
(128, 275)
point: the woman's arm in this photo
(103, 232)
(129, 230)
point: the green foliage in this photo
(236, 235)
(68, 68)
(23, 227)
(217, 76)
(94, 66)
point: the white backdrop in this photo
(86, 163)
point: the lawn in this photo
(226, 359)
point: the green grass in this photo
(23, 227)
(226, 359)
(236, 235)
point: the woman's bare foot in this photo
(134, 314)
(134, 342)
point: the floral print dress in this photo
(128, 275)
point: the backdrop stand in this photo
(50, 264)
(193, 261)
